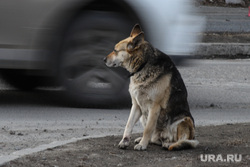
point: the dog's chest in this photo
(148, 93)
(141, 88)
(140, 93)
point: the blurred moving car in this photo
(44, 41)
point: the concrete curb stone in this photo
(223, 50)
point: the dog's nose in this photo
(105, 59)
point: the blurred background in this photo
(61, 43)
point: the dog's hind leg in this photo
(166, 144)
(137, 140)
(185, 136)
(155, 139)
(134, 116)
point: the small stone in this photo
(12, 132)
(17, 148)
(120, 164)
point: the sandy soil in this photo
(220, 141)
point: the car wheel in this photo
(82, 71)
(20, 80)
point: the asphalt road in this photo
(219, 93)
(221, 19)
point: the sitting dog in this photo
(159, 95)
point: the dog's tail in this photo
(183, 144)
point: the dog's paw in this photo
(140, 147)
(124, 143)
(166, 145)
(138, 140)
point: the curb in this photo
(222, 50)
(28, 151)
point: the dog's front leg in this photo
(154, 112)
(134, 116)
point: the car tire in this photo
(84, 75)
(20, 80)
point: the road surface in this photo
(222, 19)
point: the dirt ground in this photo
(219, 141)
(225, 37)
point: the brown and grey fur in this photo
(159, 96)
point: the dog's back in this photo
(177, 116)
(177, 104)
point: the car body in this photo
(65, 41)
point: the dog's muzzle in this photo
(105, 59)
(108, 63)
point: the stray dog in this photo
(159, 95)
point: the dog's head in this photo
(124, 49)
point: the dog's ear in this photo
(136, 41)
(136, 30)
